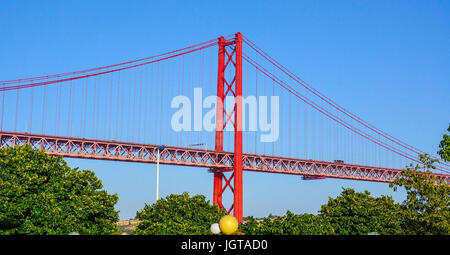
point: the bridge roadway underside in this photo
(147, 153)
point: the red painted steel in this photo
(219, 175)
(227, 166)
(238, 162)
(147, 153)
(334, 104)
(44, 83)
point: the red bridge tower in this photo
(227, 59)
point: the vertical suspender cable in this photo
(30, 127)
(3, 109)
(17, 109)
(44, 110)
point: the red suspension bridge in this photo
(126, 111)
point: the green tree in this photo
(40, 194)
(357, 213)
(290, 224)
(178, 215)
(427, 206)
(444, 146)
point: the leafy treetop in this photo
(444, 146)
(40, 194)
(178, 215)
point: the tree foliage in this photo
(427, 206)
(178, 215)
(289, 224)
(358, 213)
(444, 146)
(351, 213)
(40, 194)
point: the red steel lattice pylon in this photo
(232, 88)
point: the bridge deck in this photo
(147, 153)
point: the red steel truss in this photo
(147, 153)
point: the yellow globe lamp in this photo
(228, 224)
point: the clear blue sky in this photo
(386, 61)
